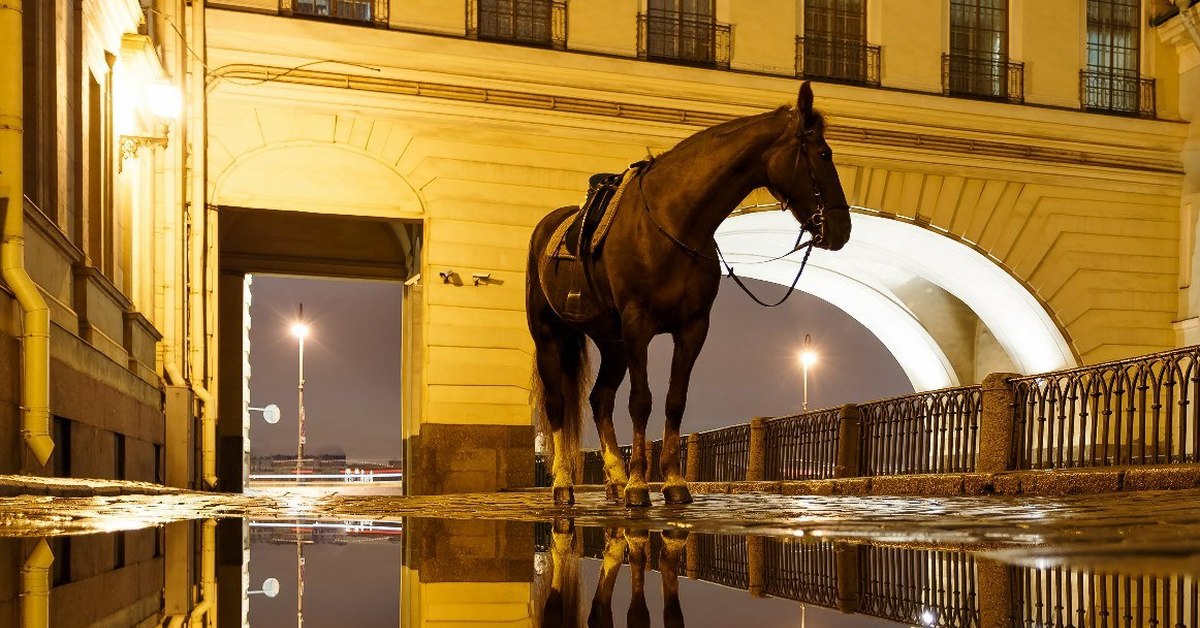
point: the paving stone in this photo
(932, 485)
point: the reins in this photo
(818, 220)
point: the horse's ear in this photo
(804, 103)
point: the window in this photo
(683, 31)
(834, 46)
(40, 104)
(536, 22)
(1111, 81)
(370, 11)
(978, 62)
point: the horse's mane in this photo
(729, 127)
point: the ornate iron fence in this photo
(802, 447)
(1114, 92)
(723, 559)
(838, 60)
(367, 11)
(681, 38)
(1143, 410)
(930, 432)
(801, 571)
(724, 454)
(532, 22)
(1058, 598)
(983, 76)
(919, 587)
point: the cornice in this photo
(250, 74)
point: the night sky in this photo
(352, 365)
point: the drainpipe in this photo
(208, 427)
(35, 345)
(35, 587)
(207, 607)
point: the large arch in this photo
(915, 289)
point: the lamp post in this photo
(300, 331)
(808, 357)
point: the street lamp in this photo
(808, 357)
(270, 588)
(300, 331)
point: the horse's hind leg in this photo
(556, 395)
(687, 348)
(603, 397)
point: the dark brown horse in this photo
(657, 272)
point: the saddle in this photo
(582, 233)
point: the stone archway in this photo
(946, 312)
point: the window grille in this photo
(1111, 82)
(534, 22)
(978, 64)
(834, 46)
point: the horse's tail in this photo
(574, 371)
(576, 379)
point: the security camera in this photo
(481, 277)
(446, 275)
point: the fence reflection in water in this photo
(946, 588)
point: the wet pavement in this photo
(1166, 522)
(1129, 559)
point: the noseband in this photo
(815, 223)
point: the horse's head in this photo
(803, 178)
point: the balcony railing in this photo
(1114, 92)
(983, 76)
(666, 36)
(837, 60)
(530, 22)
(363, 11)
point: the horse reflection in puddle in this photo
(563, 601)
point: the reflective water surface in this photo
(303, 557)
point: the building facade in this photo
(1024, 178)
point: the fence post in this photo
(691, 554)
(755, 470)
(996, 423)
(849, 453)
(693, 458)
(993, 585)
(847, 560)
(756, 568)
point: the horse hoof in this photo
(564, 496)
(613, 492)
(677, 494)
(637, 496)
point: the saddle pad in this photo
(557, 246)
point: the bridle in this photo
(815, 225)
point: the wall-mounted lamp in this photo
(131, 144)
(164, 102)
(481, 278)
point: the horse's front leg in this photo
(636, 340)
(688, 343)
(603, 397)
(638, 615)
(673, 545)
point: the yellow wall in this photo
(486, 138)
